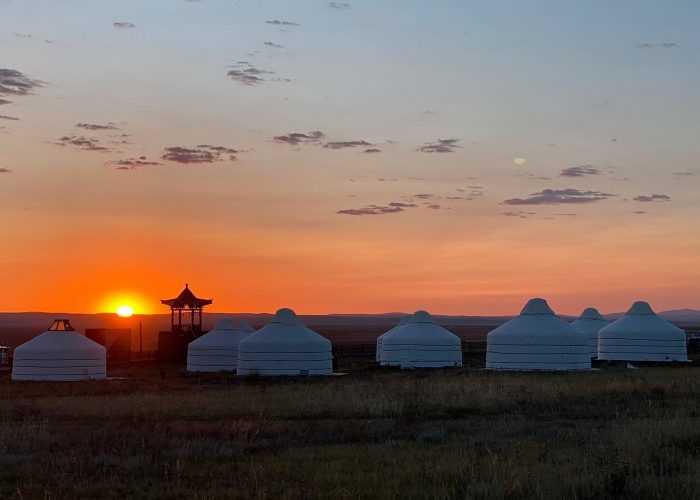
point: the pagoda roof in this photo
(186, 298)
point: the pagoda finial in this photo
(187, 285)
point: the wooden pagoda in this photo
(186, 312)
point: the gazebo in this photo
(186, 312)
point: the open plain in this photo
(153, 431)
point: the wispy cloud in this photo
(82, 143)
(274, 45)
(580, 171)
(559, 197)
(346, 144)
(132, 163)
(246, 74)
(4, 170)
(13, 82)
(277, 22)
(519, 214)
(23, 35)
(97, 127)
(652, 198)
(203, 153)
(296, 138)
(391, 208)
(441, 146)
(372, 150)
(7, 117)
(124, 25)
(339, 5)
(4, 101)
(646, 45)
(683, 174)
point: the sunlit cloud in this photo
(346, 144)
(82, 143)
(519, 214)
(13, 82)
(652, 198)
(246, 74)
(97, 127)
(559, 197)
(132, 163)
(520, 161)
(391, 208)
(441, 146)
(296, 138)
(200, 154)
(580, 171)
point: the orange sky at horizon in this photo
(533, 155)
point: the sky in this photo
(360, 157)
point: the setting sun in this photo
(125, 311)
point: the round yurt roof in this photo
(642, 321)
(421, 328)
(224, 333)
(285, 333)
(537, 323)
(246, 327)
(60, 353)
(60, 341)
(590, 321)
(592, 314)
(405, 319)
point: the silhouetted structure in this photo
(117, 341)
(185, 325)
(189, 304)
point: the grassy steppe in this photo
(373, 434)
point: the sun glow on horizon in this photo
(125, 311)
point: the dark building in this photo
(117, 341)
(185, 325)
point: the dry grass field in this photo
(376, 433)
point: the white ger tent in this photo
(590, 322)
(641, 335)
(381, 338)
(285, 347)
(246, 327)
(216, 350)
(60, 353)
(537, 340)
(421, 343)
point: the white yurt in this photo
(216, 350)
(285, 346)
(590, 322)
(246, 327)
(641, 335)
(538, 339)
(60, 353)
(381, 338)
(421, 343)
